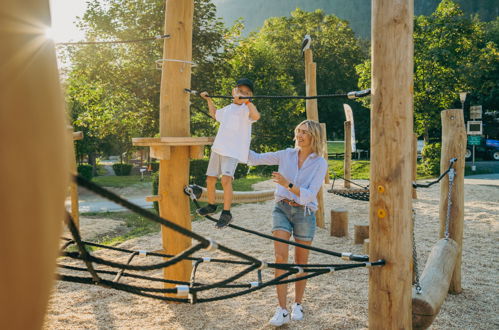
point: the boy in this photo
(231, 146)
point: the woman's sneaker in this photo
(207, 210)
(296, 312)
(280, 317)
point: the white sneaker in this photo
(297, 312)
(280, 317)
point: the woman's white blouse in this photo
(309, 177)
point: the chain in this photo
(415, 255)
(452, 174)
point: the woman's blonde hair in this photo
(314, 129)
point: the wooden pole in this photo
(347, 159)
(34, 148)
(313, 113)
(73, 187)
(175, 122)
(324, 134)
(391, 164)
(453, 146)
(414, 163)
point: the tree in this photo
(272, 57)
(113, 90)
(451, 54)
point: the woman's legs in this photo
(301, 257)
(281, 257)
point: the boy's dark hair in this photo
(246, 82)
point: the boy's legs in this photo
(212, 173)
(211, 182)
(227, 186)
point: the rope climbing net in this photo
(187, 292)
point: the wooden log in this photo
(414, 164)
(390, 189)
(240, 196)
(366, 246)
(339, 222)
(174, 121)
(435, 282)
(453, 146)
(324, 134)
(361, 232)
(347, 160)
(35, 163)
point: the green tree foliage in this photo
(113, 90)
(451, 54)
(273, 58)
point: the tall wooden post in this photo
(414, 163)
(347, 159)
(34, 166)
(391, 164)
(453, 146)
(313, 113)
(324, 134)
(175, 122)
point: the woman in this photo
(300, 176)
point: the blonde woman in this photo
(299, 178)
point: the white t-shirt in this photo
(234, 134)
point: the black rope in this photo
(350, 95)
(158, 37)
(452, 161)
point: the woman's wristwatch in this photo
(290, 186)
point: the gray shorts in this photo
(221, 165)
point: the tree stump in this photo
(339, 222)
(361, 232)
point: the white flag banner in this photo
(349, 117)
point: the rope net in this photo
(185, 292)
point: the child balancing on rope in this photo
(231, 146)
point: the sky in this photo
(64, 13)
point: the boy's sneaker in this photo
(280, 317)
(224, 220)
(207, 210)
(297, 312)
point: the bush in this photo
(264, 170)
(154, 167)
(86, 171)
(122, 169)
(431, 159)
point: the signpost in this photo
(474, 129)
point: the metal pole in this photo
(473, 167)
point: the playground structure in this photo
(390, 190)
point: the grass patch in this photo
(335, 147)
(114, 181)
(135, 226)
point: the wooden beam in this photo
(196, 152)
(160, 152)
(391, 166)
(154, 198)
(174, 123)
(453, 146)
(173, 141)
(435, 281)
(347, 159)
(77, 135)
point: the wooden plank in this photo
(435, 282)
(240, 196)
(160, 152)
(391, 166)
(77, 135)
(154, 198)
(453, 146)
(173, 141)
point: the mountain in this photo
(357, 12)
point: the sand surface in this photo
(332, 301)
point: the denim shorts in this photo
(293, 220)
